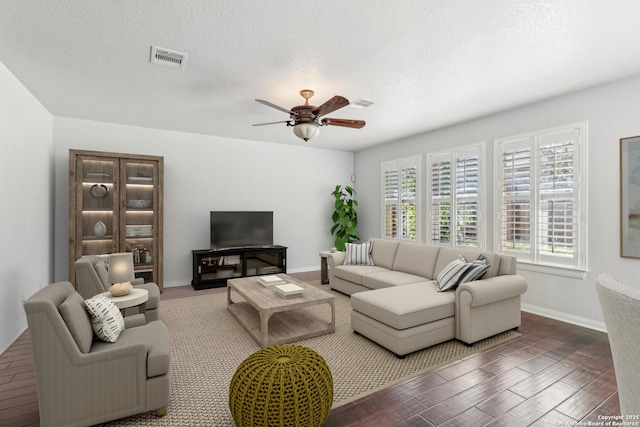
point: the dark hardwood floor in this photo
(554, 374)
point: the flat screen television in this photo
(230, 229)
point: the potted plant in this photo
(345, 217)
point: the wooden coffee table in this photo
(271, 319)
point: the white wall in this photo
(612, 112)
(26, 186)
(205, 173)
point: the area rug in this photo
(208, 344)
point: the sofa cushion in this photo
(406, 306)
(384, 279)
(358, 254)
(450, 275)
(416, 259)
(384, 252)
(355, 273)
(107, 320)
(75, 316)
(475, 270)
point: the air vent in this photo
(361, 103)
(168, 58)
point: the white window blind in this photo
(400, 180)
(541, 197)
(455, 197)
(441, 198)
(390, 189)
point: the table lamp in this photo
(120, 273)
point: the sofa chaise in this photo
(396, 303)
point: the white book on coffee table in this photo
(270, 280)
(289, 290)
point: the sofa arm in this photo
(488, 307)
(334, 259)
(494, 289)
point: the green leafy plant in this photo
(345, 217)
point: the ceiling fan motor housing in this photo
(303, 114)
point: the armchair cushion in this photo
(106, 318)
(75, 316)
(154, 335)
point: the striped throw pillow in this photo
(449, 276)
(106, 318)
(475, 271)
(359, 254)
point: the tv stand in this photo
(212, 267)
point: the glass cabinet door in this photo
(140, 218)
(97, 198)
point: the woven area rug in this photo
(208, 344)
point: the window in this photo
(400, 210)
(455, 197)
(541, 197)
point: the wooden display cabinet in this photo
(116, 205)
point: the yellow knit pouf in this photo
(282, 385)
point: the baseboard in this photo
(564, 317)
(303, 269)
(13, 335)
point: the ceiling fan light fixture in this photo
(307, 130)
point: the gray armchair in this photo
(621, 308)
(92, 278)
(82, 381)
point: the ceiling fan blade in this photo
(272, 123)
(269, 104)
(333, 104)
(356, 124)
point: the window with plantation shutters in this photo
(541, 196)
(400, 216)
(390, 188)
(454, 198)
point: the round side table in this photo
(134, 298)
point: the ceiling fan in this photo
(305, 119)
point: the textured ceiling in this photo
(425, 63)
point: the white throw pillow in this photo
(449, 276)
(358, 254)
(106, 318)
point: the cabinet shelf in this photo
(96, 238)
(97, 210)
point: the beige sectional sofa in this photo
(396, 303)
